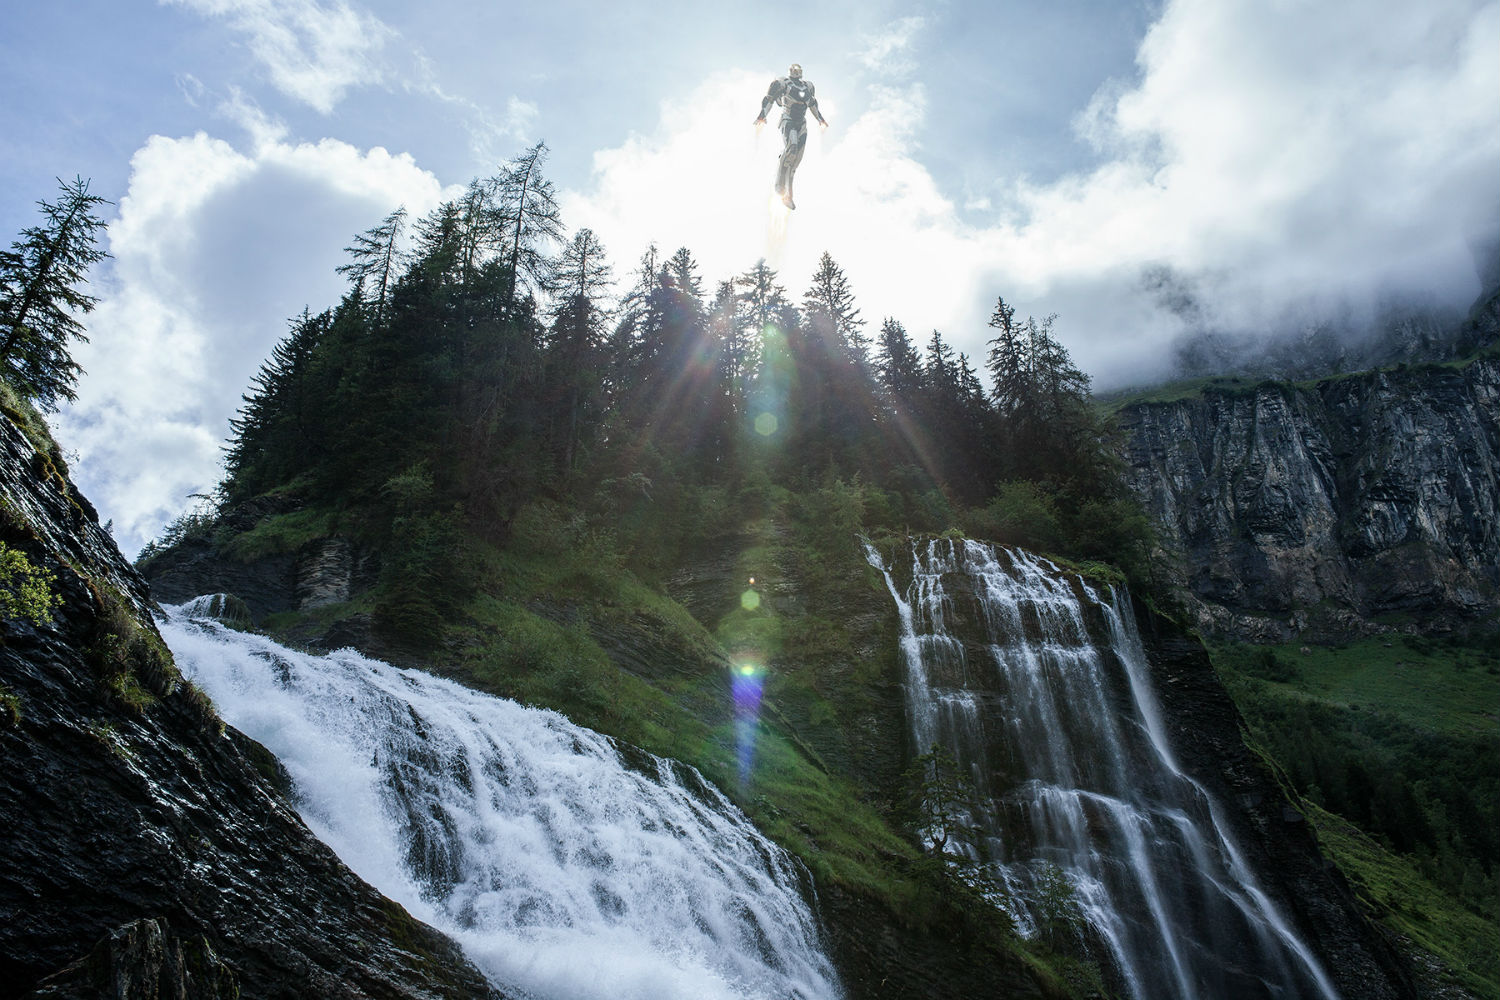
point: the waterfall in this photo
(1036, 682)
(565, 864)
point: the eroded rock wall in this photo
(1329, 508)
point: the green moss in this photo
(109, 737)
(317, 620)
(281, 534)
(28, 418)
(10, 707)
(132, 663)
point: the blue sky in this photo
(1284, 161)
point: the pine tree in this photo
(761, 301)
(940, 371)
(898, 366)
(1009, 361)
(831, 313)
(732, 356)
(635, 345)
(681, 273)
(377, 260)
(575, 359)
(276, 433)
(529, 206)
(40, 295)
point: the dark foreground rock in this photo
(147, 850)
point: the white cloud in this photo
(1278, 158)
(492, 137)
(213, 248)
(1296, 156)
(312, 51)
(889, 51)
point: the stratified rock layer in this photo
(1329, 508)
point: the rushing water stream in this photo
(566, 865)
(1037, 684)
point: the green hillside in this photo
(1395, 743)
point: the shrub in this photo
(26, 590)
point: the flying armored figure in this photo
(795, 95)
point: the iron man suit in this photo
(796, 97)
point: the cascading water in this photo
(566, 865)
(1049, 708)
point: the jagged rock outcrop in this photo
(1329, 508)
(147, 850)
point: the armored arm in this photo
(771, 95)
(812, 105)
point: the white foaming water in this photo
(1061, 731)
(566, 865)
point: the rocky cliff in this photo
(1332, 507)
(148, 850)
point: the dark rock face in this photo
(144, 959)
(1205, 731)
(1315, 510)
(147, 850)
(323, 572)
(196, 567)
(880, 956)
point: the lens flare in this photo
(747, 678)
(750, 600)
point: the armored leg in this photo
(795, 136)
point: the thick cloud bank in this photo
(1268, 165)
(1272, 165)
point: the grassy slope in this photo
(1413, 907)
(1171, 392)
(1449, 693)
(1429, 685)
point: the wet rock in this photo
(144, 959)
(325, 572)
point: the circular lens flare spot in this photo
(750, 600)
(766, 424)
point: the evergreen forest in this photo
(478, 363)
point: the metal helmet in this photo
(795, 72)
